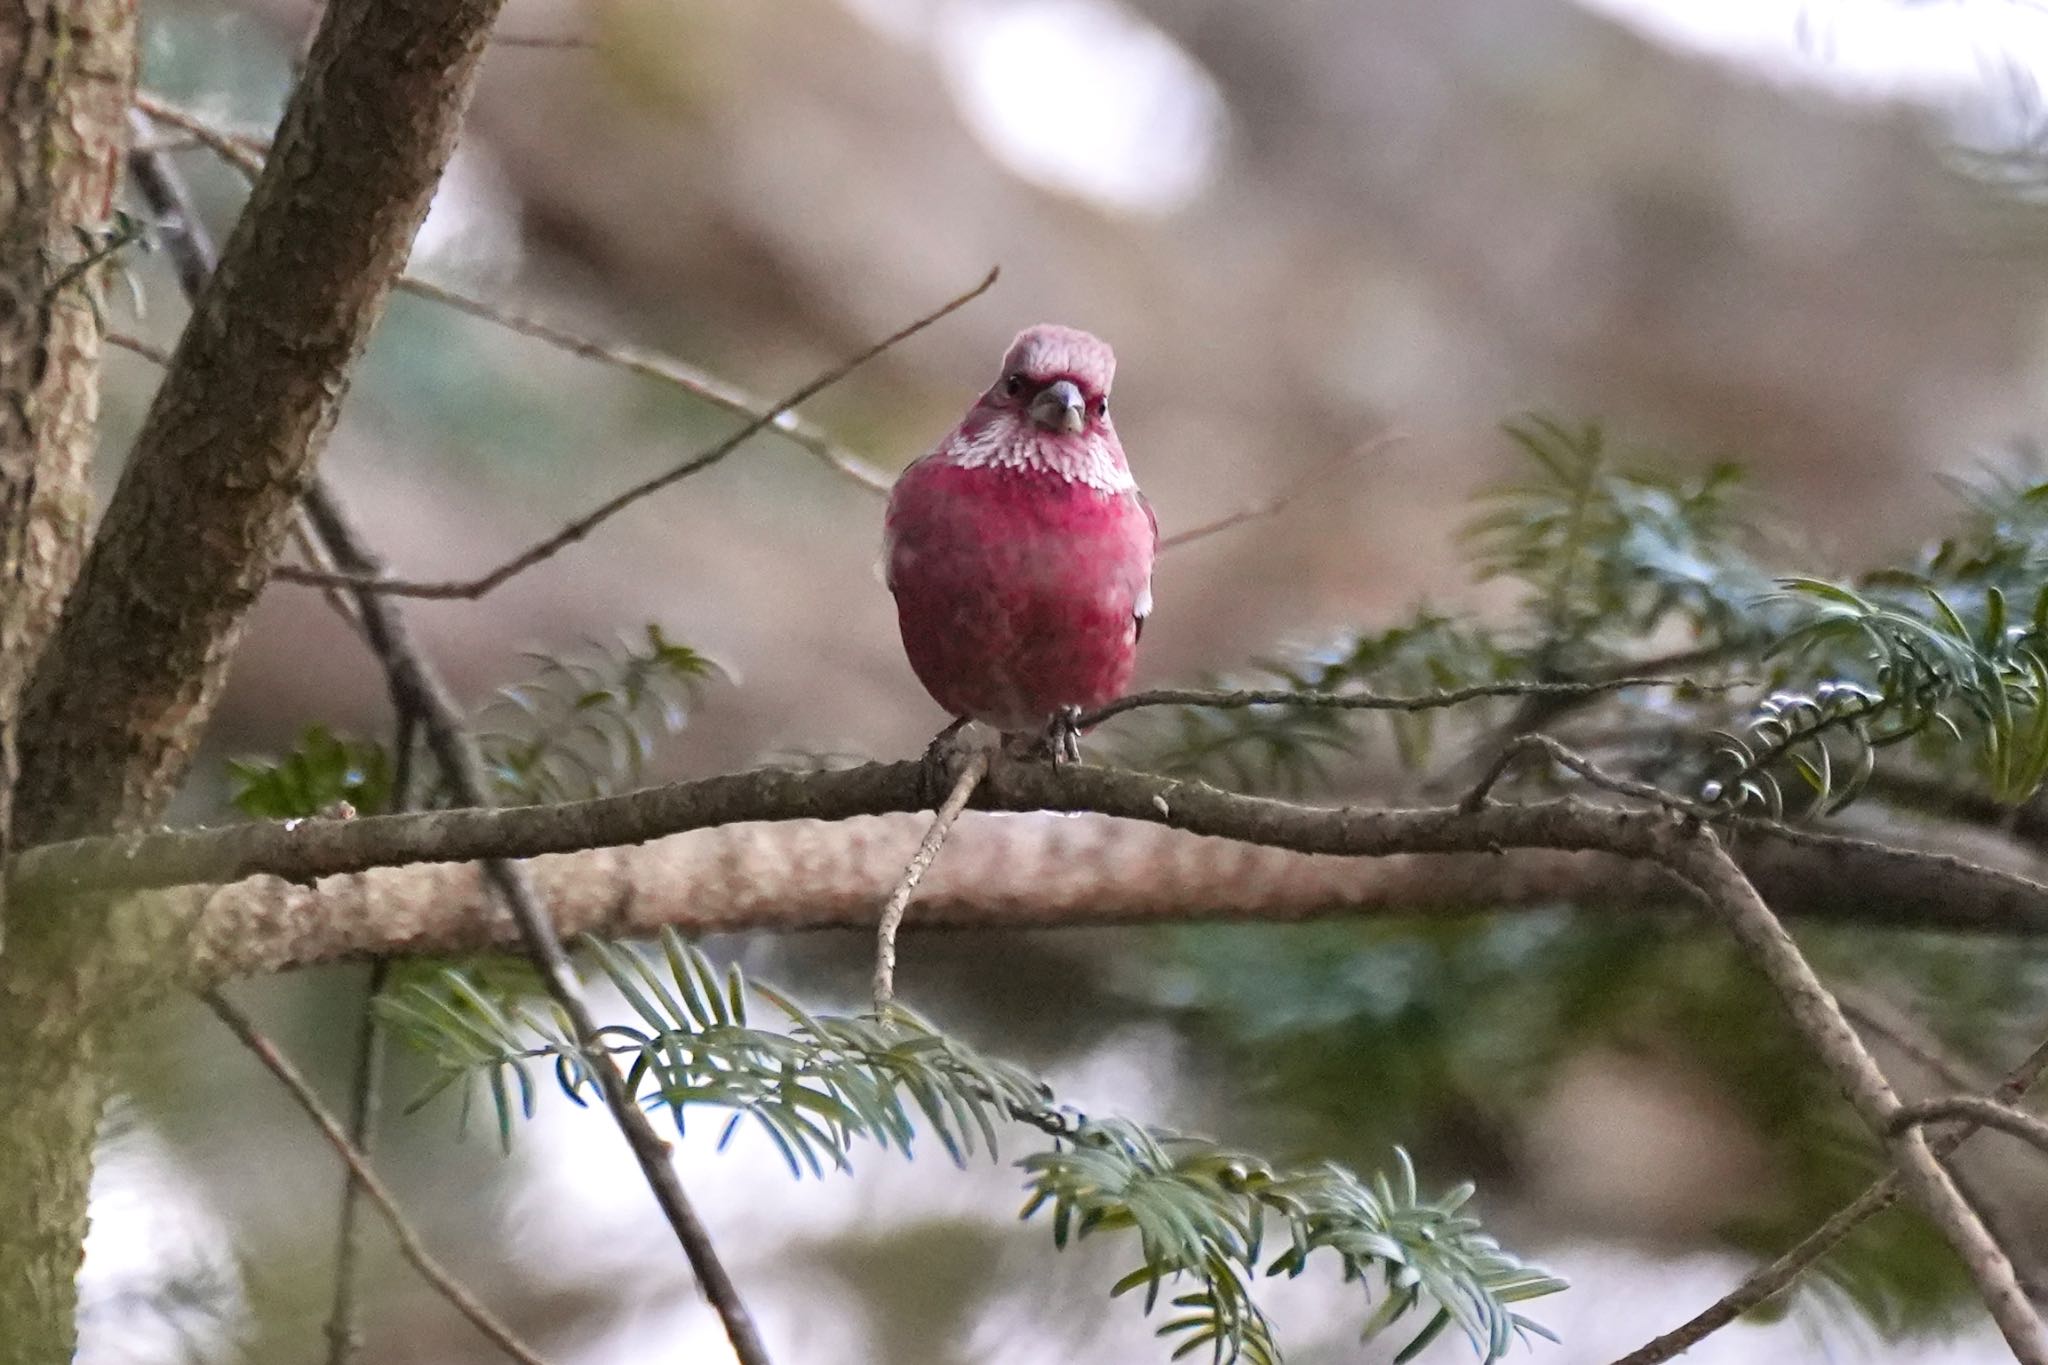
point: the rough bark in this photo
(231, 439)
(119, 696)
(66, 71)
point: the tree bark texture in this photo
(121, 692)
(232, 437)
(66, 75)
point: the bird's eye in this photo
(1102, 406)
(1013, 385)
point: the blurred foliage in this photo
(323, 772)
(1203, 1213)
(585, 725)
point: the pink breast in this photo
(1017, 590)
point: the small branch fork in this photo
(1771, 1280)
(1978, 1111)
(409, 1244)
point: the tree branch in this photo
(1814, 1013)
(471, 588)
(409, 1244)
(1982, 1112)
(1771, 1280)
(891, 918)
(417, 690)
(123, 692)
(1853, 879)
(1240, 699)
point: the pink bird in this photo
(1020, 550)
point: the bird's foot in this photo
(1059, 742)
(943, 759)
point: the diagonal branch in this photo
(128, 683)
(893, 909)
(1771, 1280)
(1701, 861)
(698, 383)
(417, 690)
(471, 588)
(409, 1244)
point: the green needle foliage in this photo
(1206, 1217)
(325, 771)
(586, 725)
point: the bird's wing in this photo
(1143, 607)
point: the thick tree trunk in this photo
(120, 694)
(66, 70)
(49, 1111)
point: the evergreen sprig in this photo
(586, 725)
(818, 1083)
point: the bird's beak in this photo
(1060, 407)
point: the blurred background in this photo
(1803, 236)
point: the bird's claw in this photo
(1063, 735)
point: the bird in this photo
(1020, 551)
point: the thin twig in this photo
(1286, 497)
(1578, 763)
(1985, 1113)
(148, 350)
(409, 1244)
(472, 588)
(696, 382)
(419, 689)
(1375, 701)
(971, 773)
(541, 41)
(243, 152)
(344, 1336)
(1878, 1016)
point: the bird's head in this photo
(1048, 410)
(1056, 378)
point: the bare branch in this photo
(344, 1337)
(1703, 863)
(891, 918)
(1575, 762)
(1875, 1015)
(1985, 1113)
(148, 350)
(1375, 701)
(1773, 1279)
(418, 691)
(409, 1244)
(243, 151)
(576, 530)
(1286, 497)
(698, 383)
